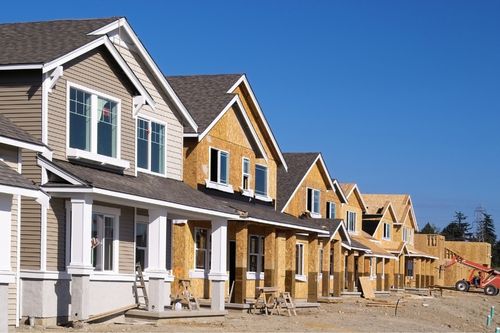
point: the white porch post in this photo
(218, 273)
(159, 290)
(6, 274)
(80, 265)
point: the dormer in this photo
(354, 210)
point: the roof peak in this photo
(66, 20)
(205, 75)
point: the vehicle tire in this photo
(462, 285)
(490, 290)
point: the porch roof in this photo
(10, 177)
(9, 130)
(144, 185)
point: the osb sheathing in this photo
(316, 179)
(353, 205)
(301, 287)
(474, 251)
(230, 135)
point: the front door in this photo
(232, 267)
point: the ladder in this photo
(139, 284)
(288, 303)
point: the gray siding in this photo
(96, 70)
(56, 235)
(163, 111)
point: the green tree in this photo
(486, 230)
(429, 229)
(458, 229)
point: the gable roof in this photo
(9, 130)
(401, 203)
(299, 165)
(208, 97)
(42, 42)
(9, 177)
(349, 188)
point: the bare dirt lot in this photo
(454, 312)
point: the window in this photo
(245, 174)
(405, 234)
(313, 201)
(409, 268)
(150, 146)
(93, 123)
(330, 210)
(299, 259)
(202, 253)
(261, 180)
(103, 242)
(387, 231)
(141, 244)
(219, 166)
(256, 254)
(351, 221)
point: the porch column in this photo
(240, 280)
(402, 263)
(6, 274)
(389, 274)
(361, 265)
(291, 241)
(380, 275)
(418, 272)
(270, 269)
(158, 290)
(433, 272)
(218, 272)
(325, 278)
(338, 268)
(312, 269)
(427, 272)
(350, 270)
(80, 265)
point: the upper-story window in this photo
(387, 231)
(261, 180)
(219, 166)
(313, 201)
(93, 126)
(351, 221)
(405, 234)
(245, 174)
(330, 210)
(151, 146)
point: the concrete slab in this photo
(171, 314)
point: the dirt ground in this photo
(453, 312)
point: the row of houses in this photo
(105, 163)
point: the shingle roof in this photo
(347, 187)
(10, 177)
(10, 130)
(144, 185)
(376, 249)
(41, 42)
(204, 96)
(398, 201)
(298, 164)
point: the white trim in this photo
(54, 77)
(115, 214)
(279, 224)
(247, 190)
(253, 276)
(43, 237)
(314, 214)
(301, 278)
(217, 186)
(74, 153)
(44, 275)
(224, 187)
(244, 80)
(236, 99)
(303, 259)
(341, 226)
(151, 120)
(18, 254)
(355, 187)
(263, 197)
(14, 190)
(45, 107)
(191, 135)
(104, 40)
(26, 145)
(207, 250)
(198, 273)
(122, 23)
(339, 190)
(20, 66)
(64, 175)
(374, 255)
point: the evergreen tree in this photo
(458, 229)
(429, 229)
(486, 230)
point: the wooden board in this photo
(366, 287)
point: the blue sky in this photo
(399, 96)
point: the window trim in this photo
(160, 122)
(93, 154)
(115, 213)
(259, 196)
(388, 231)
(302, 276)
(354, 222)
(329, 205)
(218, 185)
(141, 219)
(196, 270)
(313, 213)
(260, 255)
(246, 191)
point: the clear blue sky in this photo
(399, 96)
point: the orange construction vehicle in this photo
(488, 279)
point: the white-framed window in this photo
(202, 248)
(219, 166)
(330, 210)
(321, 260)
(256, 254)
(387, 231)
(299, 259)
(93, 125)
(104, 255)
(141, 244)
(405, 234)
(351, 221)
(245, 173)
(150, 146)
(261, 180)
(373, 268)
(313, 201)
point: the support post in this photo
(218, 272)
(312, 269)
(380, 275)
(389, 274)
(325, 278)
(338, 268)
(6, 274)
(402, 269)
(291, 241)
(240, 281)
(157, 259)
(270, 271)
(350, 271)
